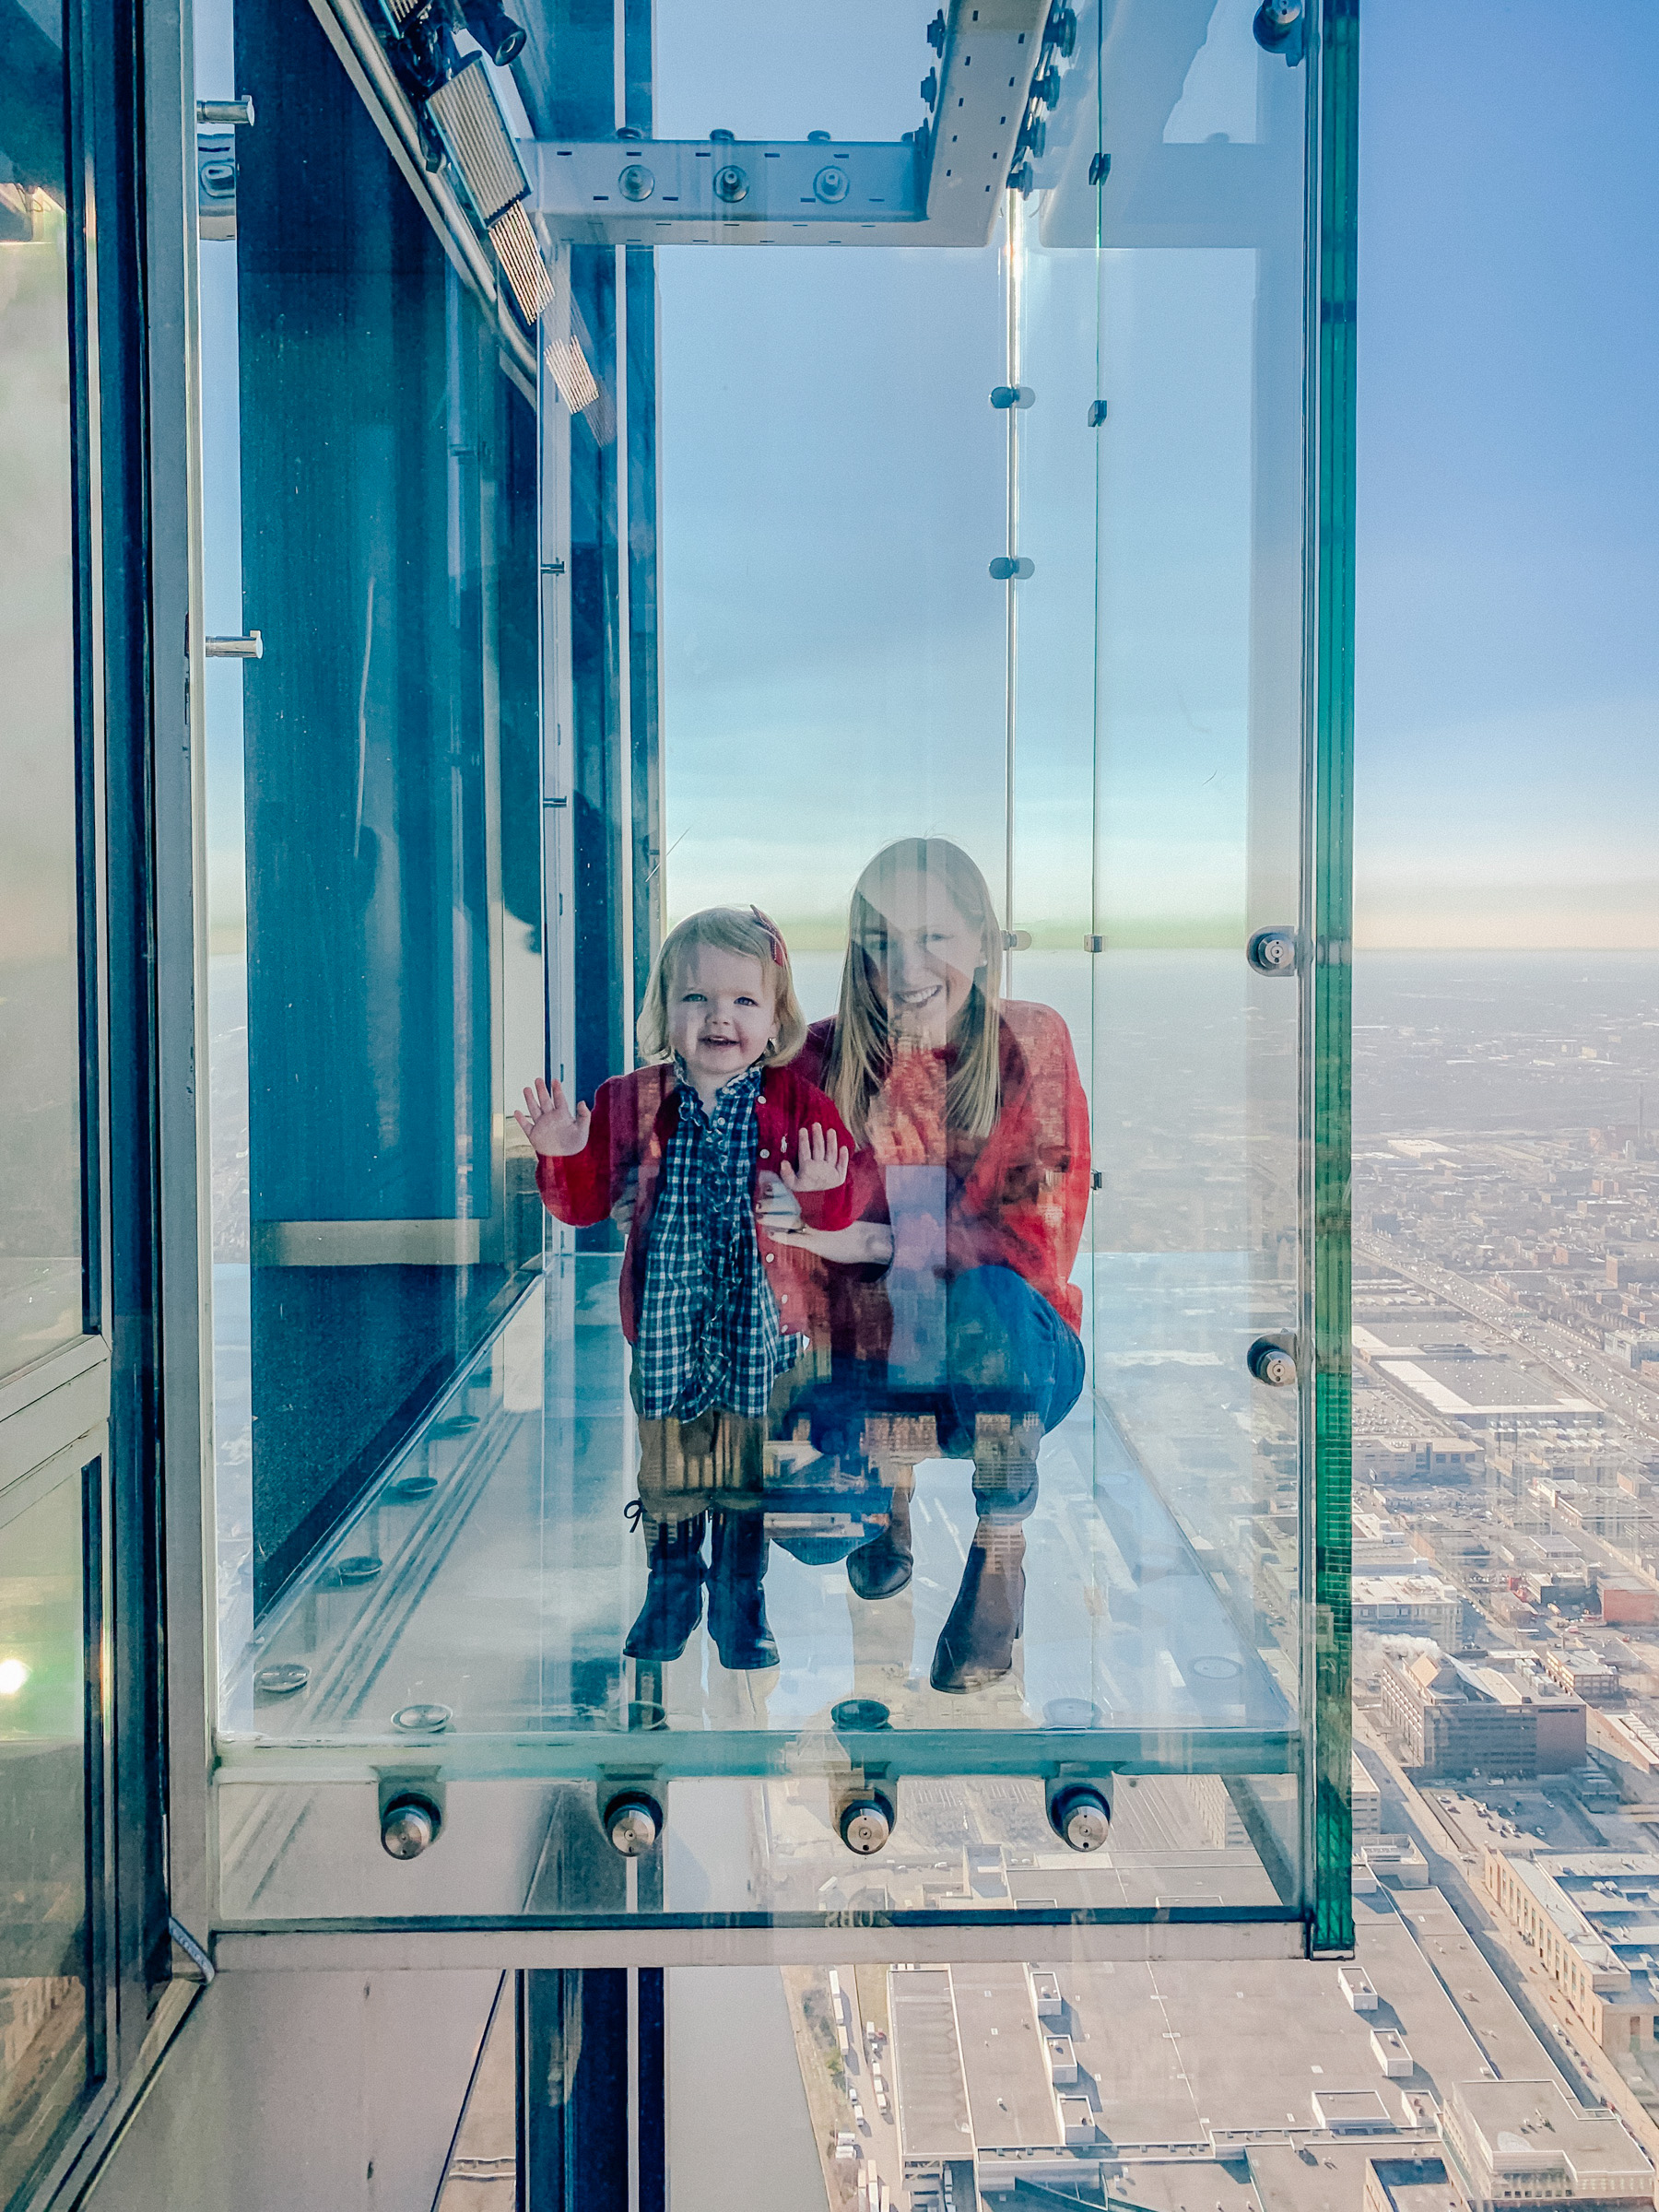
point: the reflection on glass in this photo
(43, 2012)
(374, 861)
(39, 997)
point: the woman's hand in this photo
(628, 1200)
(823, 1162)
(778, 1215)
(861, 1244)
(777, 1209)
(552, 1128)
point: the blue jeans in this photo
(1006, 1352)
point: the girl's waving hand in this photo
(823, 1161)
(552, 1128)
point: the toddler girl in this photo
(715, 1309)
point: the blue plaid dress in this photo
(710, 1330)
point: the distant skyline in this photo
(1508, 635)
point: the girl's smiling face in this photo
(923, 957)
(722, 1015)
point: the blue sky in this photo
(1507, 696)
(1507, 693)
(833, 489)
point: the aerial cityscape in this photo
(1496, 2039)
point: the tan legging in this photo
(717, 1460)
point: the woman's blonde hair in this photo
(862, 1051)
(743, 930)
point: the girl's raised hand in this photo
(551, 1127)
(823, 1161)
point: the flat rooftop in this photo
(1484, 1385)
(929, 2084)
(1535, 2125)
(1005, 2055)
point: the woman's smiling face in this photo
(923, 954)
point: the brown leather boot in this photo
(976, 1644)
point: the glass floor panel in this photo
(485, 1586)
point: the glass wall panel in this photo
(40, 1292)
(48, 2025)
(769, 1317)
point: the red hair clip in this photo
(775, 936)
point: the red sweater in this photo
(1017, 1198)
(634, 1116)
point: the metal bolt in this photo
(633, 1823)
(422, 1720)
(636, 182)
(1271, 1364)
(1273, 952)
(831, 185)
(409, 1826)
(1275, 21)
(865, 1825)
(1082, 1818)
(731, 183)
(238, 113)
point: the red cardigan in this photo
(1017, 1198)
(634, 1116)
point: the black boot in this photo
(736, 1601)
(976, 1644)
(674, 1595)
(882, 1567)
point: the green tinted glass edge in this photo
(1328, 1002)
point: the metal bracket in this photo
(941, 185)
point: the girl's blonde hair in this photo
(737, 929)
(862, 1051)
